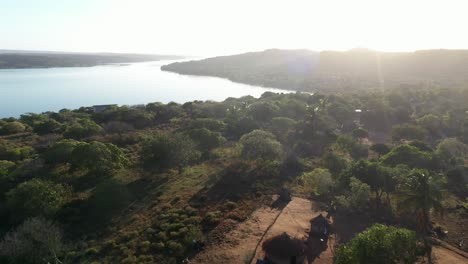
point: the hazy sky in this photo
(211, 27)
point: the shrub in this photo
(358, 197)
(380, 244)
(12, 128)
(408, 155)
(408, 132)
(206, 140)
(61, 151)
(108, 197)
(97, 157)
(83, 128)
(319, 181)
(260, 144)
(35, 241)
(37, 197)
(164, 151)
(5, 168)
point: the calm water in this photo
(40, 90)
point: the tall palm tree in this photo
(422, 194)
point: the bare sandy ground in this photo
(446, 256)
(295, 221)
(240, 243)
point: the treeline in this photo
(332, 71)
(66, 176)
(49, 60)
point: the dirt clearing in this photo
(239, 244)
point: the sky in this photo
(218, 27)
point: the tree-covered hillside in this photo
(15, 59)
(331, 71)
(156, 182)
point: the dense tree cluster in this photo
(79, 169)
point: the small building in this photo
(100, 108)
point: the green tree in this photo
(380, 149)
(334, 163)
(82, 128)
(5, 168)
(103, 202)
(37, 198)
(432, 123)
(263, 111)
(260, 145)
(164, 151)
(281, 125)
(61, 151)
(208, 123)
(452, 152)
(47, 126)
(408, 155)
(421, 194)
(12, 128)
(380, 244)
(319, 181)
(206, 139)
(408, 132)
(97, 157)
(358, 197)
(360, 133)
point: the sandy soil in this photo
(446, 256)
(239, 244)
(295, 221)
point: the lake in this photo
(52, 89)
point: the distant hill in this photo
(11, 59)
(306, 70)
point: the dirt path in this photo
(239, 244)
(295, 220)
(445, 256)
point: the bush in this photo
(358, 197)
(5, 168)
(61, 151)
(12, 128)
(164, 151)
(408, 132)
(334, 163)
(452, 152)
(97, 157)
(108, 197)
(319, 181)
(260, 144)
(35, 241)
(83, 128)
(380, 244)
(208, 123)
(37, 197)
(9, 152)
(206, 139)
(408, 155)
(47, 126)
